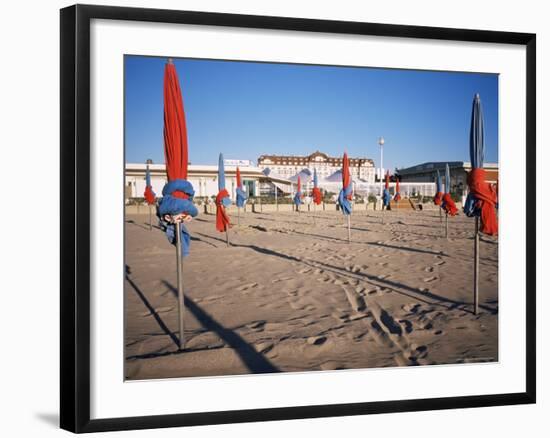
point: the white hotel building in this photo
(287, 166)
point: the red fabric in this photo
(449, 205)
(175, 130)
(346, 177)
(299, 185)
(397, 196)
(149, 196)
(317, 198)
(387, 185)
(438, 197)
(487, 198)
(239, 182)
(222, 219)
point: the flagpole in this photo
(181, 298)
(476, 265)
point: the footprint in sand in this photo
(429, 269)
(441, 262)
(316, 340)
(429, 279)
(256, 325)
(247, 286)
(356, 301)
(276, 280)
(157, 310)
(411, 308)
(304, 270)
(264, 347)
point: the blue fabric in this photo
(241, 197)
(226, 202)
(447, 179)
(477, 152)
(221, 174)
(172, 206)
(386, 197)
(221, 181)
(470, 209)
(343, 201)
(315, 181)
(147, 177)
(298, 198)
(477, 134)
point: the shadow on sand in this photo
(254, 361)
(403, 289)
(150, 308)
(406, 248)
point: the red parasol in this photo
(239, 182)
(346, 176)
(397, 196)
(175, 129)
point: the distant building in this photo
(204, 179)
(287, 166)
(427, 172)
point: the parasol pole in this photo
(314, 212)
(349, 228)
(440, 216)
(150, 218)
(227, 236)
(476, 265)
(446, 225)
(238, 216)
(181, 298)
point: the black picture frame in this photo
(75, 217)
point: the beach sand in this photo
(291, 294)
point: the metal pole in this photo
(440, 216)
(181, 298)
(381, 167)
(446, 225)
(349, 229)
(238, 216)
(227, 236)
(476, 266)
(150, 219)
(314, 212)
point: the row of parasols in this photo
(176, 207)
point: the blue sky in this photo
(245, 109)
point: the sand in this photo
(291, 294)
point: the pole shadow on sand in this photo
(254, 361)
(406, 248)
(150, 308)
(403, 289)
